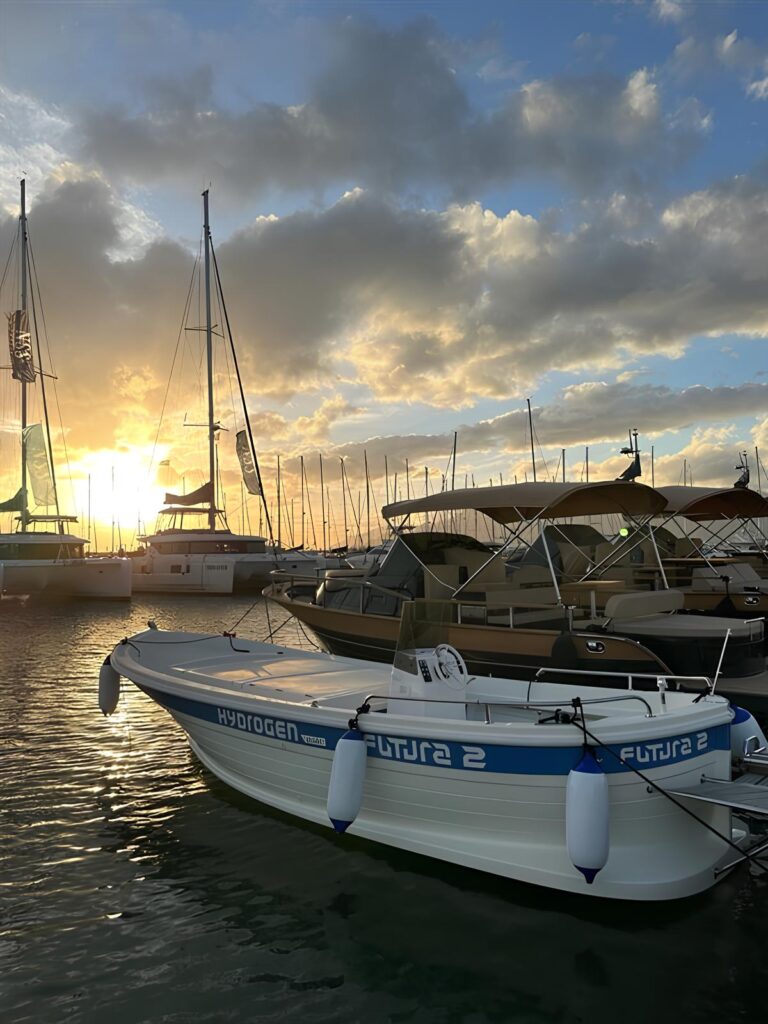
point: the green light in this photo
(624, 532)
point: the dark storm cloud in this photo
(389, 111)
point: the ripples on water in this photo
(135, 887)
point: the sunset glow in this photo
(459, 210)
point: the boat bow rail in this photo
(662, 681)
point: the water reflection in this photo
(137, 887)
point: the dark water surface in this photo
(135, 887)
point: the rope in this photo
(246, 613)
(276, 630)
(309, 639)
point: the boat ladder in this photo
(748, 794)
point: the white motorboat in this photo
(41, 555)
(577, 788)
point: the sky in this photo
(424, 214)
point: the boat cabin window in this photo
(210, 547)
(40, 550)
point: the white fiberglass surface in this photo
(294, 676)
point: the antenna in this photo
(743, 466)
(634, 470)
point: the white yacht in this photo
(183, 559)
(40, 555)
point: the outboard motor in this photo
(744, 727)
(424, 677)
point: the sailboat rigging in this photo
(40, 555)
(213, 559)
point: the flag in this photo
(20, 344)
(247, 463)
(38, 466)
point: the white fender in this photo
(743, 726)
(109, 687)
(587, 816)
(345, 789)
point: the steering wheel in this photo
(452, 666)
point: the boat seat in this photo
(470, 562)
(576, 563)
(338, 579)
(530, 576)
(685, 546)
(440, 582)
(741, 575)
(637, 604)
(744, 572)
(705, 579)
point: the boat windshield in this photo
(424, 624)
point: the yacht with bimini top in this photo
(547, 597)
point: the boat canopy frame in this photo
(737, 508)
(530, 503)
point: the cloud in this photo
(701, 53)
(570, 421)
(440, 308)
(31, 143)
(758, 89)
(389, 110)
(669, 10)
(367, 302)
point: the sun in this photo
(122, 492)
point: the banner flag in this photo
(247, 464)
(20, 344)
(38, 466)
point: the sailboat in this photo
(210, 558)
(41, 555)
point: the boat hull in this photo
(184, 574)
(507, 825)
(103, 578)
(463, 792)
(210, 574)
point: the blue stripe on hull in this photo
(486, 757)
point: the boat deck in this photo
(294, 678)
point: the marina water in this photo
(136, 887)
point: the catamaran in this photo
(210, 557)
(41, 555)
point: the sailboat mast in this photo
(279, 518)
(209, 361)
(23, 219)
(530, 428)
